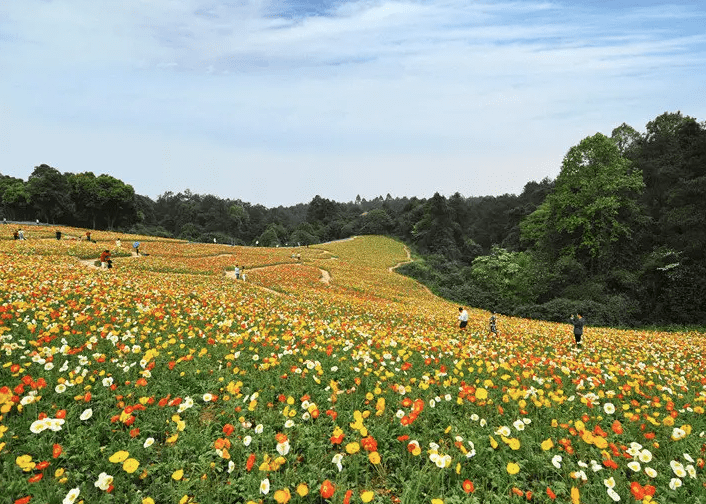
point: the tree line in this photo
(619, 235)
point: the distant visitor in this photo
(578, 321)
(493, 324)
(462, 317)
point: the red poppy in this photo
(369, 444)
(251, 462)
(23, 500)
(637, 491)
(551, 494)
(610, 464)
(468, 486)
(347, 498)
(36, 478)
(327, 489)
(56, 450)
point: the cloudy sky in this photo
(274, 102)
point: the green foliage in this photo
(594, 194)
(48, 190)
(510, 276)
(623, 225)
(14, 198)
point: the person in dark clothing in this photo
(578, 321)
(493, 324)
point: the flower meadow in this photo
(163, 380)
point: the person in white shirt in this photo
(463, 318)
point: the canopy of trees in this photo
(620, 235)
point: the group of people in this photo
(18, 234)
(577, 320)
(239, 272)
(463, 320)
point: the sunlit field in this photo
(323, 378)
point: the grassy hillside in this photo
(326, 376)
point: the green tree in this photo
(592, 203)
(116, 200)
(49, 192)
(435, 232)
(376, 221)
(626, 138)
(274, 235)
(508, 278)
(14, 197)
(84, 195)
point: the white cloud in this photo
(492, 91)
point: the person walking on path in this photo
(493, 324)
(463, 318)
(578, 321)
(237, 272)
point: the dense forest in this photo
(619, 235)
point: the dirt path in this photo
(325, 275)
(391, 269)
(89, 263)
(409, 260)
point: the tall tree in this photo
(117, 200)
(435, 231)
(84, 195)
(49, 192)
(14, 197)
(593, 200)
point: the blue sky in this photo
(276, 102)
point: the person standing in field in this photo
(493, 324)
(136, 246)
(237, 272)
(463, 318)
(578, 321)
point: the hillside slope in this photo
(165, 380)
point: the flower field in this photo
(164, 381)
